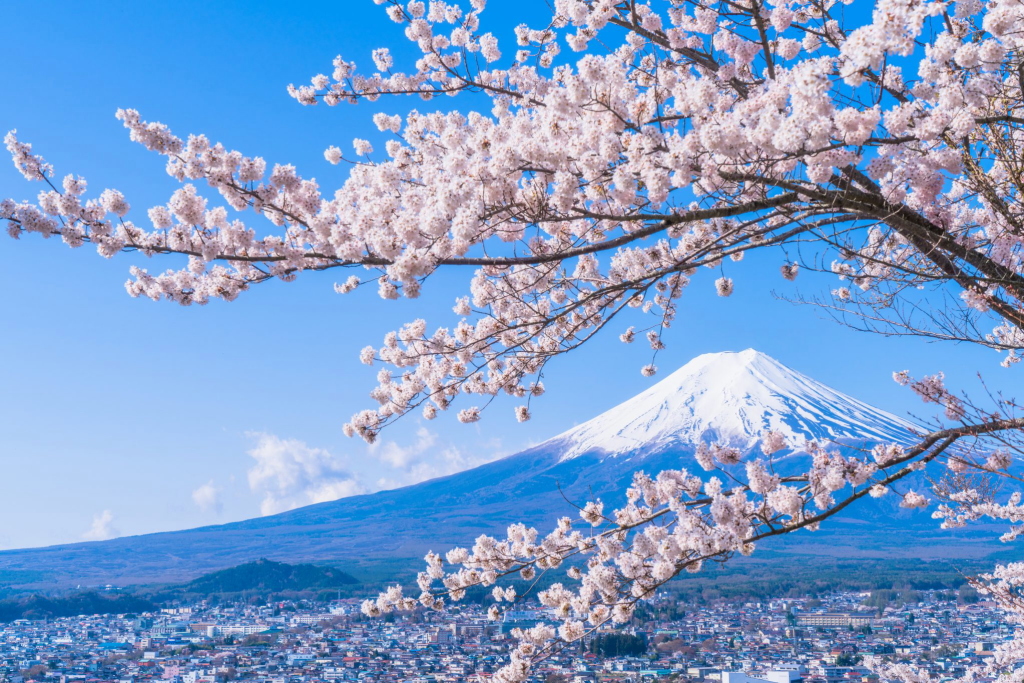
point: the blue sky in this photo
(121, 416)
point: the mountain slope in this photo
(726, 396)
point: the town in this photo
(832, 639)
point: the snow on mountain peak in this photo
(732, 398)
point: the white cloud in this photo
(404, 457)
(289, 474)
(420, 461)
(207, 498)
(102, 527)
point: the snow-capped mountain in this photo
(732, 397)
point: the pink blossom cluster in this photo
(932, 389)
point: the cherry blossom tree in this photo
(884, 150)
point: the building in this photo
(835, 619)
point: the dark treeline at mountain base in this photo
(759, 581)
(89, 602)
(258, 581)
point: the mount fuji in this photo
(726, 397)
(731, 398)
